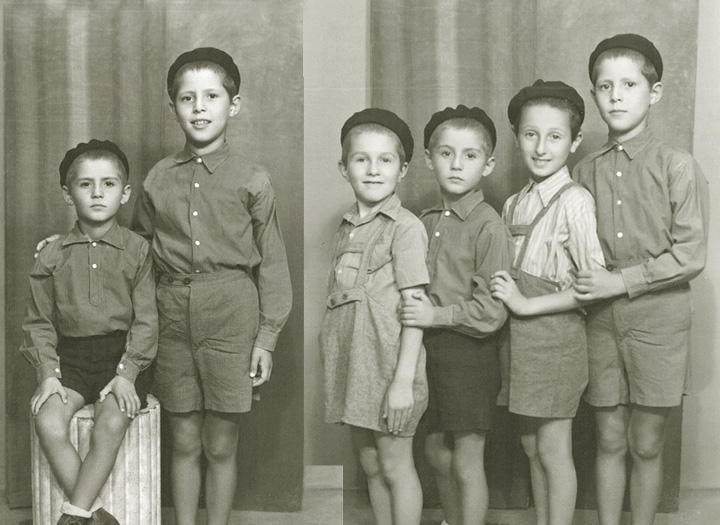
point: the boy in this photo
(215, 234)
(468, 243)
(552, 220)
(91, 327)
(652, 209)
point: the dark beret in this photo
(384, 118)
(629, 41)
(84, 147)
(210, 54)
(542, 89)
(460, 112)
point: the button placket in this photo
(95, 270)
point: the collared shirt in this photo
(565, 239)
(82, 288)
(213, 213)
(468, 243)
(652, 209)
(398, 258)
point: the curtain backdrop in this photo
(429, 54)
(75, 70)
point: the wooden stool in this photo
(131, 493)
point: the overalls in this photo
(360, 343)
(548, 353)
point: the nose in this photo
(456, 162)
(97, 190)
(373, 167)
(199, 105)
(540, 146)
(615, 94)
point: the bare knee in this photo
(529, 444)
(219, 449)
(110, 426)
(646, 447)
(369, 462)
(437, 452)
(612, 442)
(51, 427)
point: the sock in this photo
(72, 510)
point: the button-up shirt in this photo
(565, 239)
(468, 243)
(652, 209)
(213, 213)
(82, 288)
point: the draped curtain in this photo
(78, 69)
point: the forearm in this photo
(553, 303)
(410, 344)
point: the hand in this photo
(503, 287)
(46, 388)
(261, 363)
(592, 285)
(417, 312)
(397, 406)
(125, 395)
(45, 242)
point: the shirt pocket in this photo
(380, 257)
(346, 270)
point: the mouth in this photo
(456, 179)
(540, 162)
(200, 123)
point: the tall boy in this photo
(652, 209)
(91, 327)
(468, 243)
(223, 289)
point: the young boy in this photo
(223, 285)
(652, 209)
(552, 220)
(91, 327)
(468, 243)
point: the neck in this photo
(621, 137)
(95, 232)
(448, 199)
(200, 150)
(364, 210)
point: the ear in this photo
(235, 104)
(515, 139)
(127, 191)
(489, 167)
(67, 197)
(593, 94)
(656, 92)
(343, 170)
(403, 170)
(173, 110)
(576, 142)
(428, 160)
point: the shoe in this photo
(103, 517)
(67, 519)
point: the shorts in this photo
(88, 364)
(638, 349)
(463, 380)
(208, 324)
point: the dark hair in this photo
(225, 79)
(463, 123)
(96, 154)
(646, 66)
(370, 127)
(558, 103)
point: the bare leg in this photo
(538, 482)
(220, 443)
(646, 438)
(440, 456)
(51, 425)
(610, 476)
(398, 469)
(468, 467)
(185, 472)
(364, 441)
(554, 440)
(107, 436)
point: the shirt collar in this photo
(113, 237)
(390, 208)
(631, 146)
(549, 186)
(210, 160)
(461, 208)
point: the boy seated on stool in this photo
(91, 328)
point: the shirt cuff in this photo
(128, 370)
(46, 370)
(634, 280)
(442, 317)
(266, 340)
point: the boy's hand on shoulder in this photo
(261, 363)
(45, 242)
(125, 395)
(417, 311)
(46, 388)
(398, 405)
(503, 288)
(592, 285)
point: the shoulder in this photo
(49, 257)
(135, 243)
(407, 220)
(247, 169)
(484, 218)
(408, 228)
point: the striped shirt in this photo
(565, 239)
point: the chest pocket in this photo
(381, 256)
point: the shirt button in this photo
(620, 148)
(197, 185)
(57, 370)
(447, 213)
(619, 202)
(94, 244)
(619, 174)
(340, 272)
(620, 234)
(197, 271)
(437, 234)
(352, 234)
(94, 265)
(194, 214)
(198, 160)
(121, 366)
(197, 243)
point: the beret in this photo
(542, 89)
(209, 54)
(460, 112)
(384, 118)
(84, 147)
(629, 41)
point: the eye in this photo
(603, 87)
(84, 184)
(110, 183)
(472, 156)
(444, 153)
(185, 98)
(555, 136)
(386, 160)
(213, 95)
(631, 84)
(529, 134)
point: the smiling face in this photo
(459, 159)
(623, 96)
(373, 167)
(202, 107)
(544, 137)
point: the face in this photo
(373, 168)
(202, 107)
(545, 139)
(623, 96)
(459, 161)
(97, 191)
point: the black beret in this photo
(542, 89)
(629, 41)
(209, 54)
(84, 147)
(384, 118)
(460, 112)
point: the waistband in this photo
(612, 265)
(186, 279)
